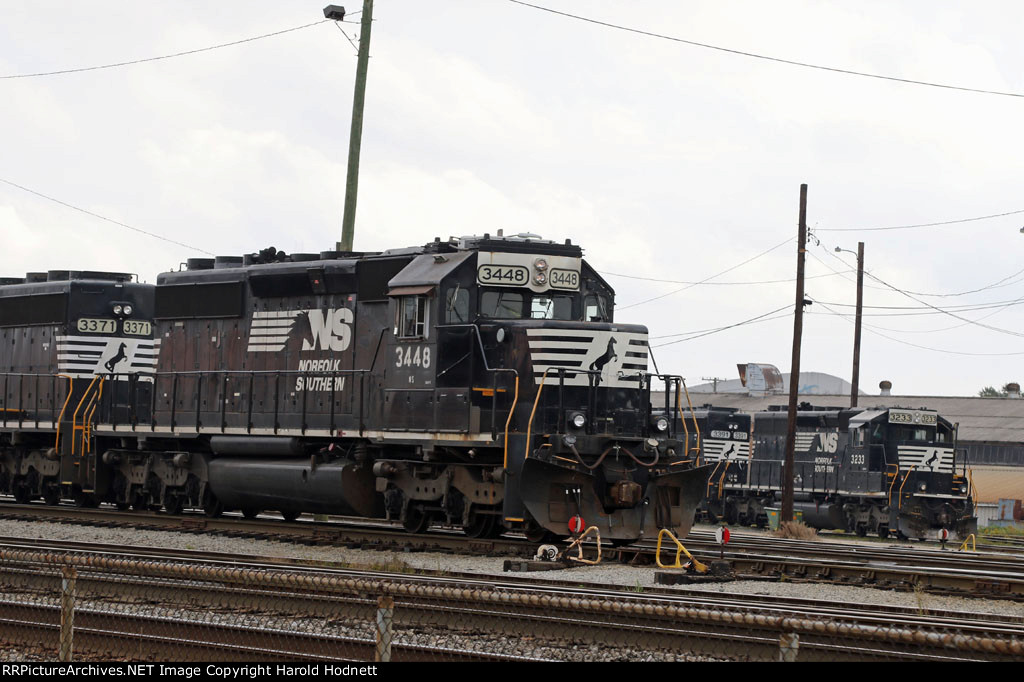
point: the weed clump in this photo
(795, 530)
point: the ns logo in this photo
(330, 329)
(828, 442)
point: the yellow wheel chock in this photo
(697, 565)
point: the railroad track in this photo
(703, 625)
(751, 555)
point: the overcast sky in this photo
(664, 160)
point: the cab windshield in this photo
(517, 305)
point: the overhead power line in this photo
(166, 56)
(779, 60)
(109, 220)
(764, 317)
(719, 284)
(917, 345)
(688, 286)
(909, 227)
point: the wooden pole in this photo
(348, 227)
(794, 372)
(855, 384)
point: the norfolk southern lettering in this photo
(320, 383)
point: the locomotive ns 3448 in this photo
(480, 382)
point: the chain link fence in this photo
(84, 607)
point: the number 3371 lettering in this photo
(407, 357)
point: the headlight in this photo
(540, 278)
(923, 486)
(661, 423)
(963, 489)
(578, 420)
(540, 264)
(127, 310)
(118, 309)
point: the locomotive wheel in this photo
(862, 530)
(139, 502)
(481, 526)
(51, 495)
(251, 513)
(212, 507)
(289, 515)
(174, 504)
(883, 531)
(122, 506)
(416, 520)
(22, 495)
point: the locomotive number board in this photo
(138, 328)
(509, 275)
(912, 417)
(97, 325)
(537, 272)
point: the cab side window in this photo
(456, 306)
(412, 317)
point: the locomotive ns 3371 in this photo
(480, 382)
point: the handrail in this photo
(894, 477)
(536, 401)
(87, 417)
(721, 479)
(74, 416)
(905, 478)
(682, 419)
(696, 426)
(71, 386)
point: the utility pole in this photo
(854, 390)
(714, 382)
(356, 135)
(794, 372)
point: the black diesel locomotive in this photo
(479, 382)
(876, 470)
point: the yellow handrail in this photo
(696, 426)
(894, 477)
(74, 417)
(536, 401)
(512, 410)
(970, 538)
(907, 476)
(700, 568)
(82, 401)
(721, 479)
(682, 419)
(71, 386)
(87, 422)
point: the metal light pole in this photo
(337, 13)
(855, 379)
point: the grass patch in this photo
(1002, 531)
(795, 530)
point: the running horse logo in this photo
(118, 357)
(598, 364)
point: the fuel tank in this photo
(337, 487)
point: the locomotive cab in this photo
(515, 336)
